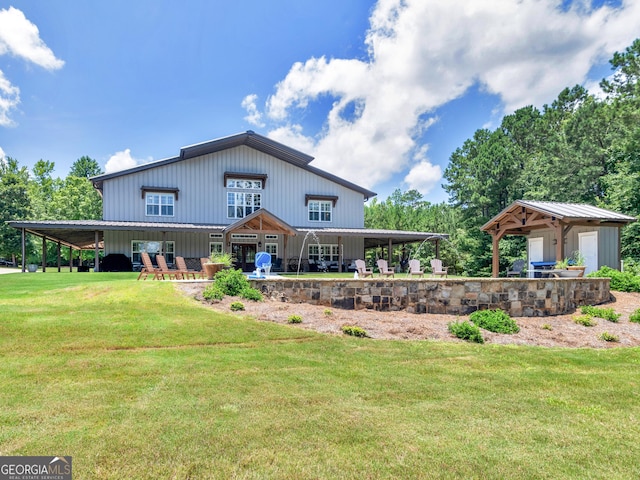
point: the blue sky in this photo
(380, 93)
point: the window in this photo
(215, 247)
(160, 204)
(153, 249)
(239, 204)
(330, 253)
(244, 184)
(271, 248)
(319, 211)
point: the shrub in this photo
(328, 312)
(354, 331)
(466, 331)
(236, 306)
(620, 281)
(609, 337)
(584, 320)
(294, 319)
(251, 294)
(604, 313)
(635, 316)
(213, 292)
(497, 321)
(546, 326)
(231, 282)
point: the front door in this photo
(244, 255)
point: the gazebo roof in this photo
(523, 216)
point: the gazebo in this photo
(558, 226)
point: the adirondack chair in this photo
(437, 268)
(182, 266)
(516, 268)
(165, 270)
(148, 268)
(362, 269)
(383, 266)
(414, 268)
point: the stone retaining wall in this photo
(518, 297)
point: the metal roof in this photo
(576, 211)
(250, 139)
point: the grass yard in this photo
(136, 381)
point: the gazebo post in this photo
(71, 259)
(96, 262)
(24, 250)
(560, 242)
(495, 259)
(59, 258)
(44, 254)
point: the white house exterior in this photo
(242, 194)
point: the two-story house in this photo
(241, 194)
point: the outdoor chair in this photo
(362, 269)
(182, 266)
(437, 268)
(414, 268)
(165, 270)
(148, 268)
(516, 268)
(383, 266)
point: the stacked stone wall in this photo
(518, 297)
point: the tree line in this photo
(581, 148)
(37, 195)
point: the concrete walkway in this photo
(10, 270)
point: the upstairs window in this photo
(159, 204)
(320, 211)
(240, 204)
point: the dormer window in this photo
(320, 211)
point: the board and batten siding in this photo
(202, 197)
(608, 244)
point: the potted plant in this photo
(576, 262)
(217, 262)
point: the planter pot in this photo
(570, 273)
(32, 267)
(577, 268)
(212, 268)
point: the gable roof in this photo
(574, 213)
(249, 139)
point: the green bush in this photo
(635, 316)
(236, 306)
(294, 319)
(328, 312)
(231, 282)
(547, 326)
(620, 281)
(497, 321)
(251, 294)
(354, 331)
(604, 313)
(609, 337)
(213, 292)
(585, 320)
(466, 331)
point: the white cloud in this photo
(20, 38)
(254, 116)
(121, 161)
(3, 156)
(425, 53)
(423, 176)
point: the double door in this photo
(244, 255)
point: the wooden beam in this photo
(495, 264)
(559, 227)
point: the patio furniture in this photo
(383, 266)
(414, 268)
(165, 270)
(437, 268)
(182, 265)
(516, 268)
(149, 269)
(362, 269)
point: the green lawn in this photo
(135, 381)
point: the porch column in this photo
(341, 255)
(44, 254)
(96, 262)
(59, 260)
(560, 242)
(495, 260)
(24, 250)
(389, 250)
(70, 259)
(437, 244)
(285, 261)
